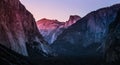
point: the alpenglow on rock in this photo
(87, 36)
(18, 27)
(73, 19)
(51, 29)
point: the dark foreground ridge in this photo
(9, 57)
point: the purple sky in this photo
(62, 9)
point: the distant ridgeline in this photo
(90, 36)
(91, 40)
(51, 29)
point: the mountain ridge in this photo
(50, 29)
(87, 34)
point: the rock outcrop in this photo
(73, 19)
(50, 29)
(86, 36)
(18, 27)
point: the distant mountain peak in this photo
(50, 29)
(72, 19)
(74, 16)
(87, 35)
(47, 21)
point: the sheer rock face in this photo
(86, 36)
(73, 19)
(50, 29)
(112, 44)
(17, 26)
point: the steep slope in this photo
(18, 27)
(9, 57)
(73, 19)
(50, 29)
(112, 45)
(87, 35)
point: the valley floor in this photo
(9, 57)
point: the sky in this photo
(62, 9)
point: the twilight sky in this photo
(62, 9)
